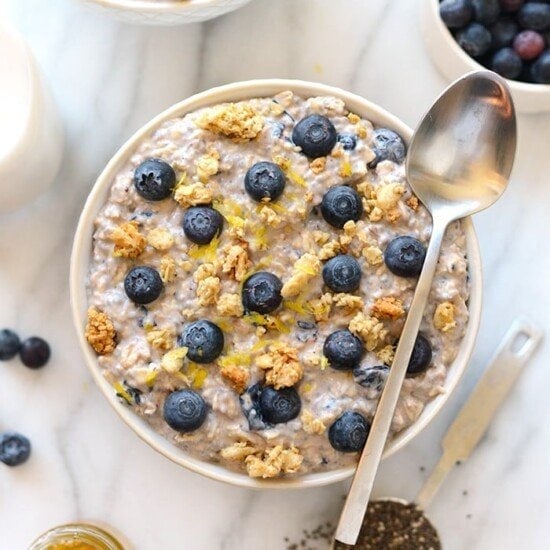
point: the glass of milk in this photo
(31, 138)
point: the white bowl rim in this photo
(81, 254)
(166, 6)
(526, 87)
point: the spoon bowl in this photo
(461, 154)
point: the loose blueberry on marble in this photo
(204, 341)
(154, 179)
(342, 273)
(34, 352)
(348, 434)
(503, 33)
(348, 141)
(9, 344)
(474, 39)
(264, 180)
(529, 44)
(371, 377)
(184, 410)
(455, 13)
(250, 405)
(279, 406)
(343, 350)
(404, 256)
(262, 292)
(534, 16)
(421, 356)
(541, 68)
(143, 284)
(341, 204)
(315, 135)
(486, 12)
(15, 448)
(507, 63)
(201, 224)
(387, 145)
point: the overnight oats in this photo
(251, 271)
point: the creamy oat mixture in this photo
(138, 350)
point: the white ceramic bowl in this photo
(452, 61)
(83, 246)
(167, 12)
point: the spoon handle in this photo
(361, 487)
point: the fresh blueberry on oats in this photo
(541, 68)
(455, 13)
(9, 344)
(486, 12)
(343, 350)
(371, 377)
(534, 16)
(184, 410)
(404, 256)
(204, 341)
(503, 33)
(250, 405)
(342, 273)
(387, 145)
(341, 204)
(264, 180)
(421, 356)
(262, 292)
(474, 39)
(348, 141)
(154, 179)
(34, 352)
(143, 284)
(348, 434)
(507, 63)
(14, 448)
(279, 406)
(201, 224)
(315, 135)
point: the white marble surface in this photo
(108, 79)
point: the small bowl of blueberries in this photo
(509, 37)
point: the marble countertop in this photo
(108, 79)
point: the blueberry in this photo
(143, 284)
(201, 224)
(486, 12)
(404, 256)
(349, 432)
(503, 33)
(315, 135)
(511, 5)
(184, 410)
(14, 448)
(534, 16)
(371, 377)
(278, 406)
(341, 204)
(34, 352)
(9, 344)
(529, 45)
(455, 13)
(474, 39)
(507, 63)
(421, 356)
(387, 145)
(154, 179)
(348, 141)
(204, 341)
(264, 180)
(541, 69)
(250, 405)
(343, 350)
(262, 292)
(342, 273)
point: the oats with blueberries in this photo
(251, 271)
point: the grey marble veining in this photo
(108, 79)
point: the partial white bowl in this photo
(83, 247)
(452, 62)
(167, 12)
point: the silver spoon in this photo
(459, 162)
